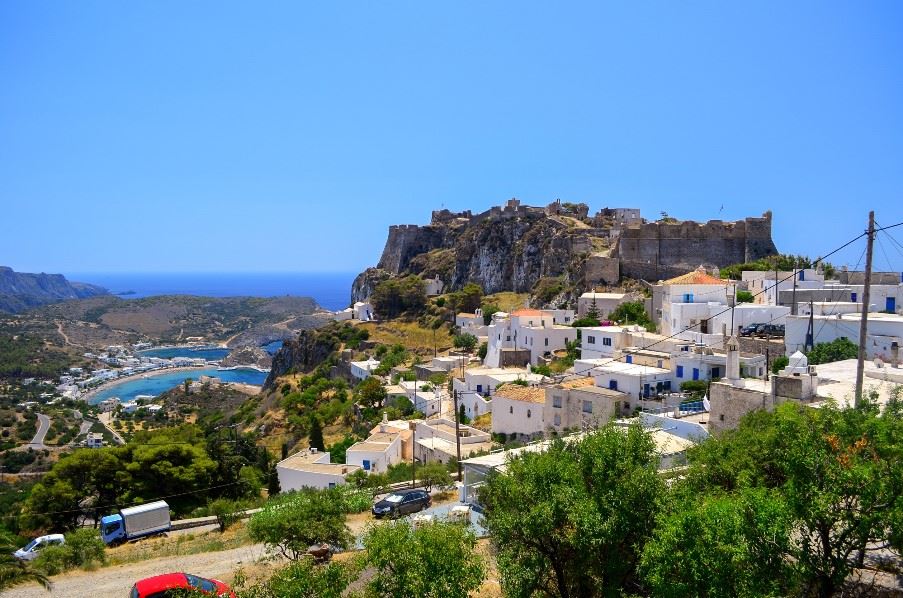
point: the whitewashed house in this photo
(635, 380)
(530, 331)
(762, 283)
(363, 369)
(362, 311)
(311, 469)
(517, 411)
(435, 440)
(689, 300)
(377, 452)
(434, 286)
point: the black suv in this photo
(401, 503)
(750, 330)
(770, 330)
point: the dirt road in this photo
(118, 580)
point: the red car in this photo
(159, 586)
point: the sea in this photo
(331, 290)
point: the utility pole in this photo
(457, 435)
(866, 291)
(767, 364)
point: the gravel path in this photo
(118, 580)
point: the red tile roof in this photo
(698, 276)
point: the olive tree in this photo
(292, 522)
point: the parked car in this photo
(402, 502)
(31, 550)
(750, 330)
(770, 330)
(161, 586)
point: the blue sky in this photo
(217, 136)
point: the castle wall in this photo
(405, 242)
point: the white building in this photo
(762, 283)
(746, 314)
(471, 323)
(705, 363)
(363, 311)
(435, 440)
(884, 332)
(377, 452)
(635, 380)
(434, 286)
(343, 315)
(579, 405)
(530, 331)
(605, 303)
(311, 469)
(517, 411)
(688, 300)
(94, 440)
(363, 369)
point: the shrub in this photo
(226, 512)
(83, 548)
(779, 364)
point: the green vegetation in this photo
(837, 350)
(435, 561)
(390, 357)
(290, 523)
(83, 548)
(586, 321)
(696, 389)
(547, 289)
(466, 342)
(396, 296)
(302, 579)
(744, 297)
(189, 465)
(22, 356)
(779, 363)
(467, 300)
(14, 572)
(632, 312)
(781, 263)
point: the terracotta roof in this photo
(578, 383)
(698, 276)
(527, 394)
(526, 312)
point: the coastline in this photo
(91, 393)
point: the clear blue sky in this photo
(217, 136)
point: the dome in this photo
(797, 361)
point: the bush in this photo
(466, 341)
(744, 297)
(226, 512)
(484, 348)
(837, 350)
(83, 548)
(695, 388)
(779, 364)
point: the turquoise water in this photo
(208, 353)
(160, 383)
(273, 347)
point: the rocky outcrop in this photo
(303, 354)
(20, 291)
(248, 355)
(511, 248)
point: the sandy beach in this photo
(90, 394)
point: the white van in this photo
(34, 548)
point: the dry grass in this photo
(181, 544)
(507, 301)
(414, 337)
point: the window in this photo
(332, 484)
(508, 338)
(511, 409)
(853, 297)
(660, 362)
(366, 464)
(200, 583)
(721, 417)
(587, 407)
(591, 340)
(479, 388)
(528, 414)
(567, 319)
(556, 402)
(716, 372)
(547, 342)
(629, 359)
(668, 385)
(606, 341)
(696, 373)
(557, 420)
(613, 385)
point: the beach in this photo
(150, 374)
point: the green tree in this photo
(292, 522)
(779, 363)
(838, 472)
(484, 348)
(488, 310)
(397, 296)
(572, 520)
(370, 393)
(462, 414)
(632, 312)
(226, 512)
(466, 341)
(316, 433)
(744, 297)
(304, 579)
(434, 561)
(468, 299)
(14, 572)
(836, 350)
(434, 474)
(714, 546)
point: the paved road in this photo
(37, 443)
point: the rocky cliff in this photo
(20, 291)
(248, 355)
(511, 248)
(303, 354)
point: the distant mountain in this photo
(20, 290)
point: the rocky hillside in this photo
(302, 354)
(20, 291)
(512, 248)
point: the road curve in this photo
(37, 443)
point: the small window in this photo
(606, 341)
(511, 409)
(557, 420)
(547, 342)
(591, 340)
(680, 371)
(528, 413)
(556, 402)
(721, 417)
(587, 407)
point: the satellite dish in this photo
(706, 404)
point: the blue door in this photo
(696, 373)
(680, 371)
(366, 464)
(630, 359)
(853, 297)
(613, 384)
(890, 305)
(646, 390)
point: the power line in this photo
(560, 378)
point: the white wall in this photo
(511, 417)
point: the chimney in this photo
(733, 360)
(384, 424)
(895, 354)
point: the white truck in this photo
(136, 522)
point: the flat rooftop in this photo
(619, 367)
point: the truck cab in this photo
(111, 529)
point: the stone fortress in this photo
(511, 247)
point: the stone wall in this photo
(601, 270)
(405, 242)
(657, 250)
(730, 403)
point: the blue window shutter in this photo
(680, 371)
(696, 373)
(366, 464)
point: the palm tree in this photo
(14, 572)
